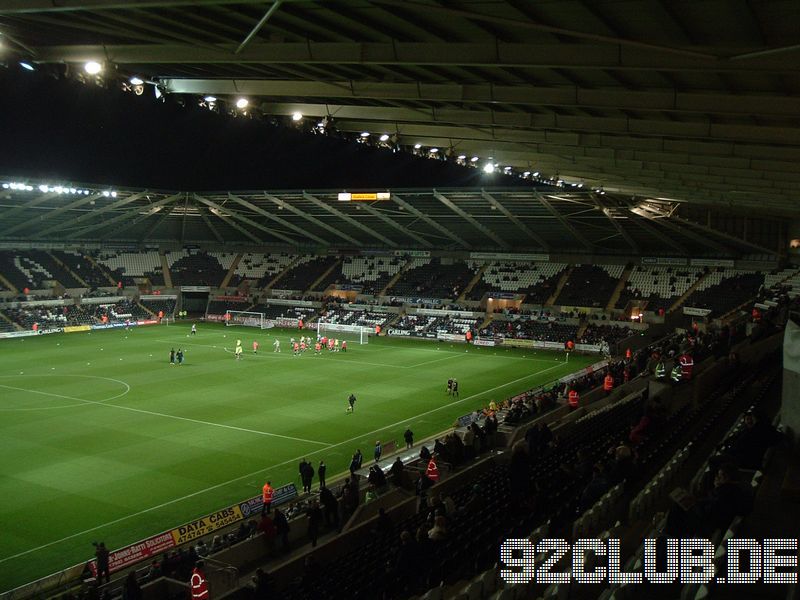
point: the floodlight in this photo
(365, 134)
(136, 80)
(27, 66)
(297, 116)
(462, 157)
(385, 137)
(242, 103)
(474, 159)
(92, 67)
(210, 98)
(417, 146)
(434, 150)
(488, 168)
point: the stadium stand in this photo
(537, 281)
(724, 289)
(372, 273)
(83, 268)
(277, 311)
(364, 318)
(125, 266)
(415, 324)
(659, 286)
(167, 305)
(261, 267)
(32, 269)
(453, 324)
(433, 278)
(590, 285)
(609, 333)
(305, 272)
(547, 330)
(194, 267)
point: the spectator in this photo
(438, 532)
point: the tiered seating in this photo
(28, 269)
(543, 331)
(433, 278)
(195, 267)
(83, 268)
(776, 277)
(725, 289)
(118, 311)
(52, 316)
(414, 323)
(263, 267)
(536, 280)
(43, 263)
(276, 311)
(124, 266)
(219, 307)
(659, 286)
(370, 272)
(609, 333)
(590, 285)
(306, 272)
(167, 305)
(458, 325)
(364, 318)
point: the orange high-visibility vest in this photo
(687, 363)
(267, 493)
(608, 383)
(573, 398)
(628, 353)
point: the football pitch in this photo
(104, 440)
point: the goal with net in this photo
(352, 333)
(247, 319)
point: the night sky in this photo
(59, 129)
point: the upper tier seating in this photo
(590, 285)
(660, 286)
(263, 267)
(433, 278)
(164, 304)
(724, 289)
(370, 272)
(32, 268)
(536, 280)
(414, 323)
(543, 331)
(364, 318)
(83, 268)
(194, 267)
(306, 272)
(127, 265)
(276, 311)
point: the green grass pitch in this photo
(103, 440)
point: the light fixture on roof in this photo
(297, 116)
(385, 137)
(210, 99)
(462, 157)
(434, 150)
(417, 146)
(474, 159)
(92, 67)
(526, 174)
(136, 80)
(507, 169)
(27, 66)
(536, 173)
(488, 168)
(365, 134)
(242, 103)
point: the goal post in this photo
(352, 333)
(247, 319)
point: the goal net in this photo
(247, 319)
(352, 333)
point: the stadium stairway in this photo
(7, 284)
(226, 281)
(473, 281)
(561, 282)
(165, 269)
(396, 277)
(322, 277)
(100, 268)
(13, 324)
(144, 308)
(679, 302)
(68, 270)
(623, 280)
(283, 273)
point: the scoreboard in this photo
(364, 196)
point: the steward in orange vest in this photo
(432, 472)
(608, 383)
(628, 354)
(573, 398)
(199, 586)
(266, 495)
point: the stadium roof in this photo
(696, 101)
(570, 220)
